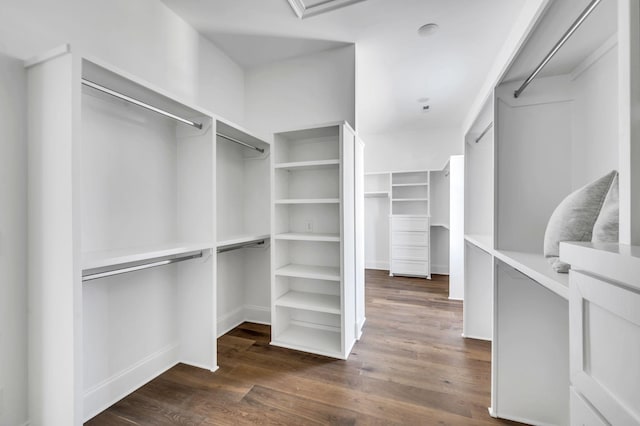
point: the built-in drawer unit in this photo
(409, 253)
(409, 267)
(409, 224)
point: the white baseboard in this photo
(109, 391)
(359, 328)
(470, 336)
(440, 269)
(383, 266)
(248, 313)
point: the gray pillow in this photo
(607, 226)
(574, 218)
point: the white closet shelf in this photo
(107, 258)
(310, 302)
(241, 239)
(328, 273)
(310, 165)
(308, 201)
(372, 194)
(483, 242)
(411, 184)
(308, 236)
(409, 199)
(536, 267)
(408, 215)
(440, 225)
(308, 339)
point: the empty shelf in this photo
(308, 236)
(308, 201)
(409, 199)
(310, 165)
(242, 239)
(308, 271)
(483, 242)
(109, 258)
(323, 342)
(536, 267)
(376, 194)
(310, 301)
(440, 225)
(410, 184)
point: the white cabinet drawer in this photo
(409, 253)
(582, 414)
(409, 268)
(409, 224)
(402, 238)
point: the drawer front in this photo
(401, 238)
(409, 224)
(604, 321)
(581, 412)
(410, 268)
(409, 253)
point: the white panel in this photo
(399, 238)
(479, 186)
(377, 232)
(439, 250)
(359, 236)
(348, 239)
(409, 224)
(478, 290)
(531, 347)
(409, 253)
(13, 241)
(582, 413)
(456, 233)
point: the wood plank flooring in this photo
(410, 367)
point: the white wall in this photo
(143, 37)
(13, 247)
(306, 90)
(411, 150)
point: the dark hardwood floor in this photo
(410, 367)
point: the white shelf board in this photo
(408, 215)
(409, 199)
(315, 164)
(310, 302)
(483, 242)
(309, 271)
(308, 201)
(308, 236)
(107, 258)
(241, 239)
(619, 262)
(308, 339)
(411, 184)
(440, 225)
(373, 194)
(536, 267)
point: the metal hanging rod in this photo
(229, 138)
(484, 132)
(134, 101)
(241, 245)
(95, 276)
(558, 45)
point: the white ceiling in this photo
(396, 67)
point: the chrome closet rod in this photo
(558, 45)
(90, 277)
(134, 101)
(484, 132)
(241, 245)
(229, 138)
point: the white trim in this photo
(47, 56)
(440, 269)
(469, 336)
(595, 56)
(304, 11)
(106, 393)
(229, 321)
(377, 264)
(257, 314)
(522, 420)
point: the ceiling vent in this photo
(306, 8)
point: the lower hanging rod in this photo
(95, 276)
(558, 45)
(229, 138)
(134, 101)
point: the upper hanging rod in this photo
(484, 132)
(558, 45)
(229, 138)
(118, 95)
(95, 276)
(241, 245)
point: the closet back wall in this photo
(143, 37)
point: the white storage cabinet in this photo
(314, 241)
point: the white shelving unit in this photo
(243, 227)
(410, 230)
(314, 292)
(114, 189)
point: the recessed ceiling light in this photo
(428, 29)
